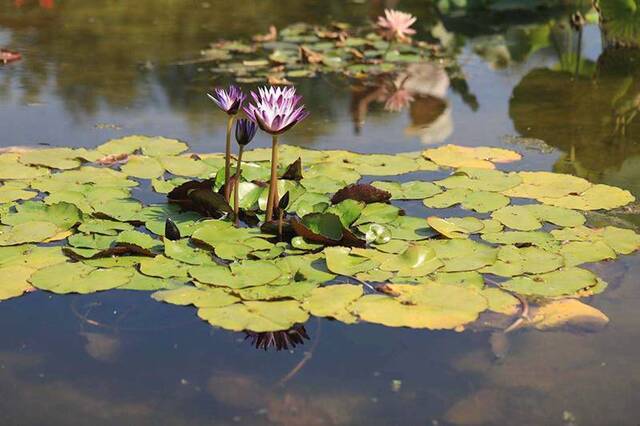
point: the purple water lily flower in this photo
(245, 131)
(276, 109)
(229, 100)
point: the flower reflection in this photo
(398, 101)
(421, 89)
(280, 340)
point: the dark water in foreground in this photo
(102, 69)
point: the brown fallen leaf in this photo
(272, 35)
(111, 159)
(277, 80)
(308, 56)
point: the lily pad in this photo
(79, 278)
(570, 281)
(249, 273)
(473, 157)
(340, 261)
(333, 301)
(255, 316)
(414, 190)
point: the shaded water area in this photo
(92, 71)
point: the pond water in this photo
(92, 71)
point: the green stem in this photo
(227, 160)
(236, 196)
(273, 182)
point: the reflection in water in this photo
(421, 87)
(287, 407)
(101, 346)
(279, 340)
(589, 116)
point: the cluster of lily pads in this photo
(303, 50)
(343, 249)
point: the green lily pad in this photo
(530, 217)
(455, 227)
(199, 297)
(415, 261)
(15, 281)
(348, 211)
(540, 239)
(414, 190)
(410, 228)
(55, 158)
(514, 261)
(340, 261)
(143, 167)
(485, 202)
(294, 290)
(256, 316)
(140, 282)
(579, 252)
(448, 198)
(11, 168)
(565, 282)
(104, 226)
(63, 215)
(463, 255)
(28, 232)
(79, 278)
(546, 184)
(484, 180)
(182, 251)
(151, 146)
(472, 157)
(596, 197)
(15, 191)
(163, 267)
(326, 224)
(249, 273)
(333, 301)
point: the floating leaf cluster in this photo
(303, 50)
(345, 249)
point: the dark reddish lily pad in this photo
(171, 231)
(361, 192)
(294, 171)
(349, 239)
(181, 193)
(209, 203)
(121, 249)
(198, 196)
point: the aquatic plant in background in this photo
(229, 101)
(275, 110)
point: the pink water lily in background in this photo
(276, 109)
(396, 24)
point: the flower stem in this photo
(236, 197)
(227, 160)
(273, 183)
